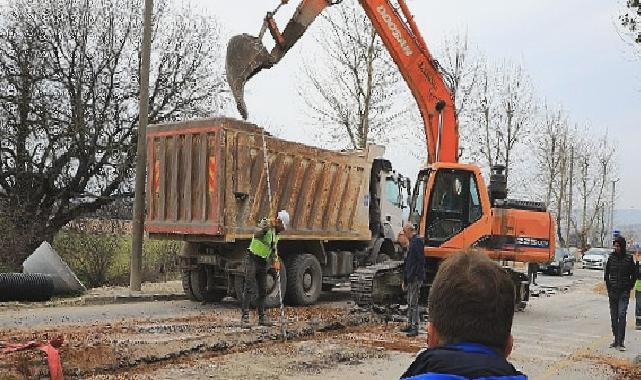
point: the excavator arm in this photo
(246, 56)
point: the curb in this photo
(96, 300)
(131, 298)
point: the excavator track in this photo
(377, 285)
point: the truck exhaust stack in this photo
(246, 56)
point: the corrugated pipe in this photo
(32, 287)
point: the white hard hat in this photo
(283, 216)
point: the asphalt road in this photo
(561, 336)
(566, 335)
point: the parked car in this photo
(563, 262)
(595, 258)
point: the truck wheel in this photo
(195, 286)
(272, 298)
(305, 280)
(188, 286)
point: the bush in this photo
(100, 260)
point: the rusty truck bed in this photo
(207, 181)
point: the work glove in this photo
(275, 262)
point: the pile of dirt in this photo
(317, 337)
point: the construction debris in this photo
(45, 260)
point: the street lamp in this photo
(614, 184)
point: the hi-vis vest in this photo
(263, 247)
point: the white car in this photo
(596, 258)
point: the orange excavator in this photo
(451, 205)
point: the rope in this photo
(275, 246)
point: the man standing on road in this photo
(619, 276)
(258, 261)
(413, 277)
(470, 309)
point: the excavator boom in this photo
(246, 56)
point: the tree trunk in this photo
(18, 239)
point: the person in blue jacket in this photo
(470, 312)
(413, 278)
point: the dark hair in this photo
(472, 300)
(622, 243)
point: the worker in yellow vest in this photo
(260, 255)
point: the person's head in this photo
(472, 300)
(282, 221)
(402, 239)
(619, 244)
(409, 230)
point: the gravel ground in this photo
(559, 336)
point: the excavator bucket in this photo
(246, 56)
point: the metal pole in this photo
(614, 183)
(135, 278)
(272, 209)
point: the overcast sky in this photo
(570, 47)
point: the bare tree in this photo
(356, 93)
(460, 66)
(554, 161)
(630, 20)
(596, 165)
(515, 111)
(503, 110)
(69, 114)
(483, 144)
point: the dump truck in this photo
(208, 188)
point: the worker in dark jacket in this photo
(260, 256)
(470, 309)
(619, 276)
(413, 277)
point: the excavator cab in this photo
(453, 203)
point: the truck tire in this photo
(195, 286)
(271, 299)
(305, 280)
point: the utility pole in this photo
(135, 277)
(614, 185)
